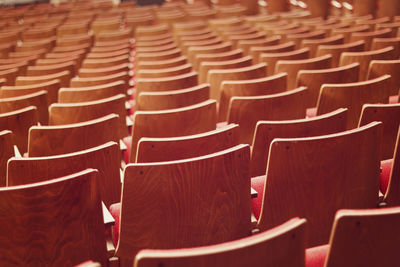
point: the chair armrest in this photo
(129, 122)
(254, 193)
(16, 152)
(122, 145)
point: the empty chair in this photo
(313, 44)
(218, 48)
(154, 56)
(264, 249)
(63, 76)
(317, 185)
(336, 50)
(77, 230)
(7, 151)
(348, 31)
(215, 203)
(362, 237)
(378, 68)
(368, 36)
(256, 51)
(161, 64)
(267, 131)
(92, 81)
(223, 56)
(379, 43)
(51, 69)
(104, 62)
(248, 110)
(159, 73)
(246, 45)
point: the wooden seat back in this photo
(7, 151)
(336, 50)
(378, 68)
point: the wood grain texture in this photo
(378, 68)
(107, 54)
(107, 62)
(92, 81)
(365, 238)
(58, 222)
(154, 56)
(67, 113)
(304, 180)
(168, 63)
(205, 41)
(99, 72)
(250, 35)
(299, 37)
(90, 93)
(253, 87)
(223, 56)
(379, 43)
(392, 195)
(19, 122)
(216, 76)
(353, 96)
(51, 69)
(6, 152)
(314, 79)
(195, 202)
(177, 148)
(188, 120)
(364, 59)
(157, 48)
(388, 8)
(313, 44)
(272, 58)
(336, 50)
(52, 87)
(389, 115)
(368, 36)
(269, 248)
(63, 139)
(218, 48)
(64, 77)
(10, 75)
(120, 34)
(267, 131)
(174, 98)
(255, 52)
(106, 158)
(246, 45)
(248, 110)
(347, 31)
(38, 99)
(160, 73)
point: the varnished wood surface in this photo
(106, 158)
(392, 196)
(102, 63)
(379, 43)
(163, 55)
(223, 56)
(255, 52)
(10, 75)
(369, 36)
(168, 63)
(68, 138)
(269, 248)
(313, 44)
(336, 50)
(92, 81)
(6, 152)
(304, 180)
(272, 58)
(188, 120)
(58, 222)
(51, 69)
(248, 110)
(166, 72)
(99, 72)
(246, 45)
(63, 76)
(218, 48)
(195, 202)
(267, 131)
(378, 68)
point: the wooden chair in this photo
(77, 39)
(99, 72)
(348, 31)
(99, 26)
(62, 139)
(63, 76)
(254, 87)
(379, 43)
(292, 67)
(188, 120)
(208, 49)
(369, 36)
(7, 151)
(154, 56)
(272, 58)
(168, 63)
(91, 93)
(9, 75)
(248, 110)
(267, 131)
(313, 44)
(262, 249)
(67, 113)
(160, 73)
(217, 76)
(364, 59)
(363, 237)
(314, 79)
(353, 96)
(195, 227)
(213, 57)
(173, 99)
(186, 45)
(378, 68)
(106, 158)
(93, 81)
(37, 99)
(346, 177)
(105, 62)
(299, 37)
(115, 35)
(336, 50)
(77, 231)
(246, 45)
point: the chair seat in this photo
(311, 112)
(115, 210)
(128, 142)
(386, 166)
(315, 256)
(257, 183)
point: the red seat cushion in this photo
(115, 210)
(128, 142)
(315, 257)
(394, 99)
(311, 112)
(257, 183)
(384, 177)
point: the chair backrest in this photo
(378, 43)
(188, 120)
(223, 56)
(106, 158)
(313, 44)
(246, 45)
(315, 186)
(248, 110)
(353, 96)
(198, 213)
(272, 58)
(392, 195)
(267, 131)
(166, 72)
(6, 152)
(67, 113)
(254, 87)
(174, 98)
(256, 51)
(168, 63)
(364, 238)
(92, 81)
(378, 68)
(264, 249)
(152, 149)
(336, 50)
(63, 76)
(98, 72)
(75, 235)
(314, 79)
(62, 139)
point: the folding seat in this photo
(106, 62)
(363, 237)
(64, 77)
(95, 80)
(246, 45)
(253, 87)
(46, 44)
(77, 230)
(67, 113)
(37, 99)
(187, 44)
(267, 131)
(336, 50)
(347, 32)
(7, 151)
(313, 44)
(378, 68)
(208, 49)
(216, 76)
(168, 63)
(121, 34)
(379, 43)
(353, 96)
(364, 59)
(248, 110)
(98, 26)
(272, 58)
(264, 249)
(369, 36)
(346, 177)
(51, 69)
(69, 29)
(299, 37)
(314, 79)
(202, 180)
